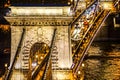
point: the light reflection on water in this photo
(103, 68)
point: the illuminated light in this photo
(73, 51)
(88, 2)
(41, 57)
(83, 64)
(47, 51)
(68, 3)
(6, 5)
(45, 45)
(34, 64)
(79, 72)
(36, 56)
(5, 28)
(71, 0)
(6, 64)
(72, 45)
(8, 1)
(107, 5)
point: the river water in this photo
(103, 61)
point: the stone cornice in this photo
(39, 20)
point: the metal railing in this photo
(89, 37)
(116, 2)
(82, 12)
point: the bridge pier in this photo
(40, 29)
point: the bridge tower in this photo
(42, 38)
(39, 26)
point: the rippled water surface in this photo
(103, 62)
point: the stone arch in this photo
(41, 46)
(33, 39)
(37, 52)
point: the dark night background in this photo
(4, 49)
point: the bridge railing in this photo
(116, 2)
(84, 29)
(88, 38)
(82, 12)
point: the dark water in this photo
(104, 61)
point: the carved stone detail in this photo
(39, 21)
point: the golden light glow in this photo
(41, 57)
(6, 64)
(72, 45)
(5, 28)
(71, 0)
(68, 3)
(73, 50)
(7, 4)
(107, 5)
(45, 45)
(83, 64)
(36, 56)
(79, 72)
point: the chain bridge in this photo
(49, 42)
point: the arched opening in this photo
(37, 53)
